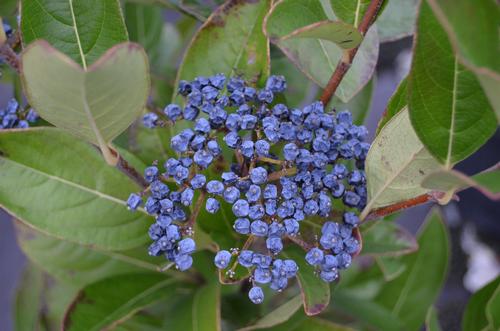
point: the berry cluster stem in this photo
(346, 61)
(131, 172)
(10, 57)
(196, 210)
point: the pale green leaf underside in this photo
(75, 264)
(64, 188)
(231, 41)
(82, 29)
(396, 164)
(344, 35)
(487, 182)
(318, 58)
(97, 104)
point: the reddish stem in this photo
(346, 61)
(384, 211)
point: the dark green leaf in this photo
(95, 104)
(475, 41)
(411, 294)
(476, 313)
(448, 108)
(390, 266)
(62, 186)
(299, 89)
(431, 320)
(111, 301)
(7, 8)
(317, 58)
(492, 309)
(350, 11)
(28, 303)
(315, 292)
(277, 316)
(231, 41)
(387, 238)
(396, 103)
(83, 30)
(200, 311)
(359, 106)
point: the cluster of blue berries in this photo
(14, 117)
(289, 164)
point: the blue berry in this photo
(241, 208)
(198, 181)
(232, 140)
(258, 175)
(212, 205)
(215, 187)
(203, 158)
(187, 196)
(134, 201)
(186, 246)
(259, 228)
(222, 259)
(262, 275)
(276, 84)
(314, 256)
(274, 244)
(173, 112)
(183, 262)
(256, 295)
(149, 120)
(245, 258)
(242, 226)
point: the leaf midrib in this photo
(82, 55)
(72, 184)
(453, 110)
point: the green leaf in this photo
(476, 43)
(95, 104)
(359, 105)
(200, 311)
(62, 186)
(487, 182)
(492, 309)
(300, 322)
(350, 11)
(58, 297)
(277, 316)
(397, 20)
(477, 310)
(231, 41)
(145, 25)
(150, 144)
(390, 266)
(317, 58)
(343, 35)
(411, 294)
(396, 103)
(111, 301)
(448, 108)
(299, 89)
(383, 238)
(28, 302)
(370, 313)
(431, 320)
(75, 264)
(396, 164)
(83, 30)
(8, 7)
(315, 292)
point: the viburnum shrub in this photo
(175, 165)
